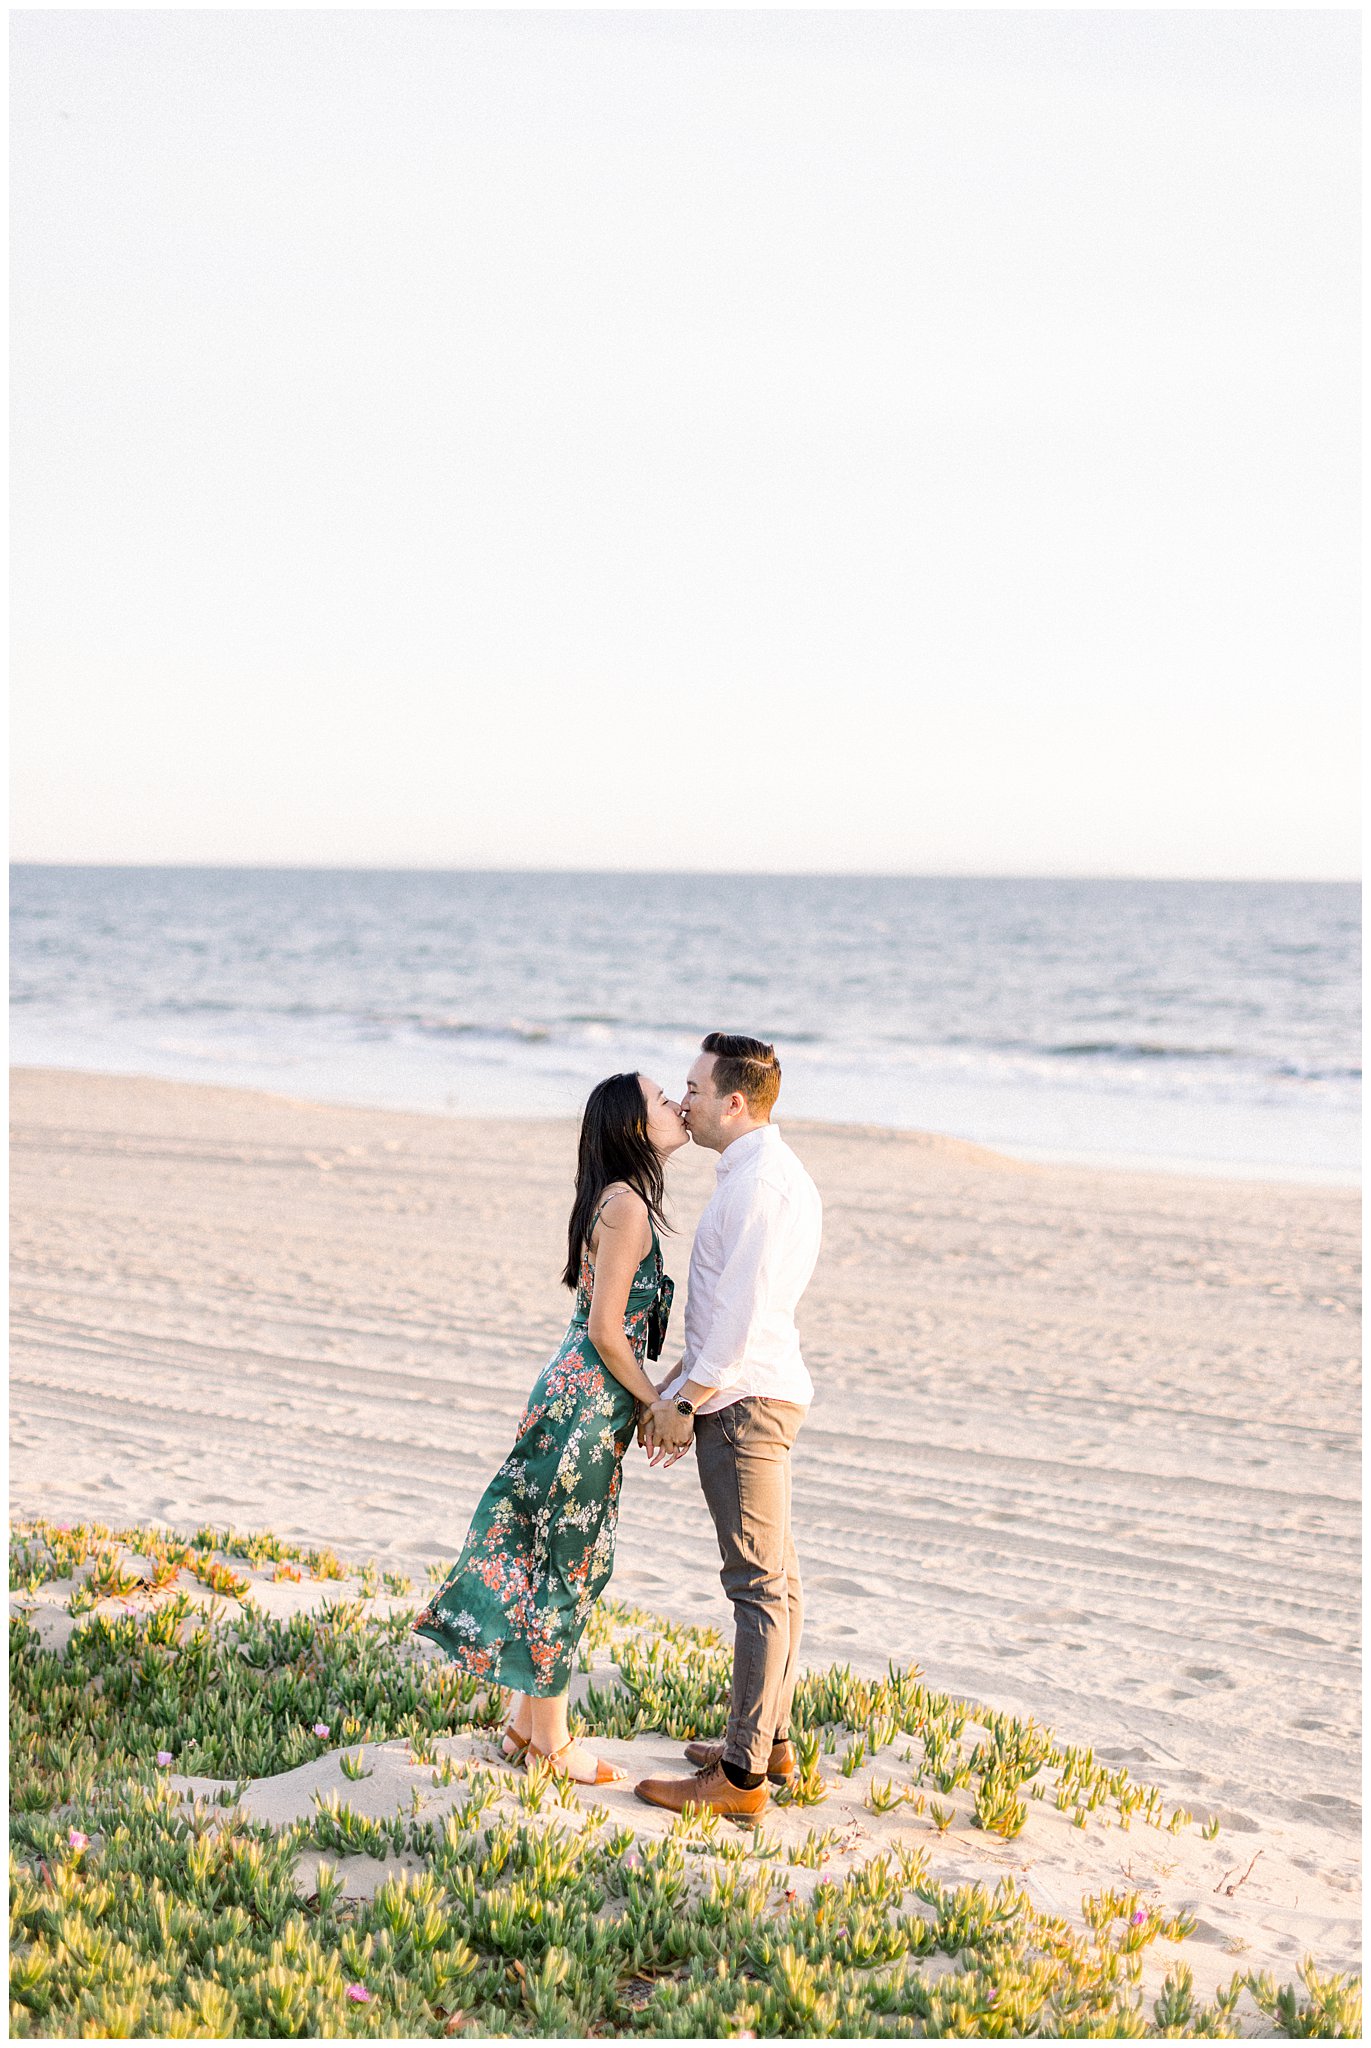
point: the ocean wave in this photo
(1299, 1073)
(1133, 1049)
(217, 1006)
(514, 1032)
(850, 1045)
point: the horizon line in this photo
(720, 874)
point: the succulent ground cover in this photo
(246, 1801)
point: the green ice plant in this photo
(997, 1806)
(324, 1564)
(166, 1561)
(808, 1788)
(881, 1733)
(698, 1824)
(221, 1578)
(109, 1578)
(1332, 2005)
(815, 1849)
(882, 1795)
(140, 1914)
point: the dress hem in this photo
(462, 1654)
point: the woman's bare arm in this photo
(618, 1250)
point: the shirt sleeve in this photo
(742, 1290)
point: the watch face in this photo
(684, 1408)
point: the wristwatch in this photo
(684, 1407)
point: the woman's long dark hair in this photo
(614, 1146)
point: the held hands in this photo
(645, 1408)
(664, 1433)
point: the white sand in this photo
(1085, 1444)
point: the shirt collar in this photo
(747, 1147)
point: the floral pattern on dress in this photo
(540, 1549)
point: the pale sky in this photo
(909, 442)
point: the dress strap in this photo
(590, 1227)
(590, 1232)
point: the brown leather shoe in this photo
(708, 1787)
(783, 1766)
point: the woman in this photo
(541, 1544)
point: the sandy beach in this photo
(1084, 1444)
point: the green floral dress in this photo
(541, 1544)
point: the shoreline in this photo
(1084, 1445)
(1266, 1174)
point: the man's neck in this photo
(734, 1136)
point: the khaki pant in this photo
(743, 1452)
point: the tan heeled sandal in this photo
(605, 1774)
(508, 1734)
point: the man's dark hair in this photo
(748, 1066)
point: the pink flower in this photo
(76, 1840)
(321, 1729)
(359, 1994)
(1139, 1916)
(164, 1756)
(65, 1528)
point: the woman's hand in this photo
(672, 1432)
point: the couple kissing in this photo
(540, 1549)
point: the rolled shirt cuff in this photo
(716, 1379)
(704, 1373)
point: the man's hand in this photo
(671, 1431)
(645, 1440)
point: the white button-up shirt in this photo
(755, 1248)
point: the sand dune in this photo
(1085, 1444)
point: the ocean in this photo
(1210, 1027)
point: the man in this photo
(741, 1394)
